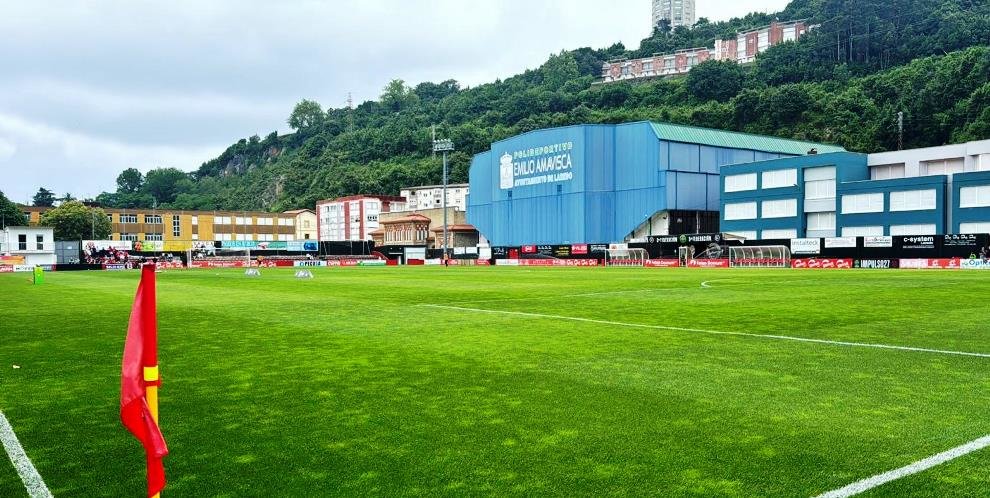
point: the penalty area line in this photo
(914, 468)
(710, 332)
(32, 480)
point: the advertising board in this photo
(974, 264)
(926, 242)
(823, 263)
(708, 263)
(840, 242)
(662, 263)
(929, 264)
(806, 246)
(309, 264)
(878, 241)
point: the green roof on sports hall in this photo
(736, 140)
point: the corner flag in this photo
(139, 379)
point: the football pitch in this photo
(508, 381)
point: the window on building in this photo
(779, 234)
(912, 230)
(872, 231)
(740, 211)
(285, 238)
(983, 162)
(668, 63)
(129, 236)
(819, 189)
(779, 178)
(195, 220)
(781, 208)
(740, 183)
(153, 219)
(176, 226)
(221, 220)
(975, 227)
(912, 200)
(886, 172)
(22, 242)
(153, 237)
(195, 236)
(266, 221)
(820, 221)
(626, 71)
(971, 197)
(648, 66)
(128, 218)
(39, 242)
(942, 167)
(862, 203)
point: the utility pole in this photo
(444, 145)
(900, 131)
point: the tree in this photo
(67, 197)
(164, 184)
(73, 220)
(306, 114)
(397, 96)
(129, 181)
(11, 214)
(44, 198)
(715, 80)
(559, 70)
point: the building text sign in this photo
(536, 166)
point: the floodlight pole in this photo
(444, 146)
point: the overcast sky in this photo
(90, 88)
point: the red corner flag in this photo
(139, 379)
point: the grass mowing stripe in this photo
(919, 466)
(712, 332)
(33, 482)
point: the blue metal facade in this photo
(852, 178)
(969, 215)
(598, 183)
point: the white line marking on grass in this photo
(712, 332)
(919, 466)
(33, 482)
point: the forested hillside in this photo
(844, 83)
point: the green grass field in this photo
(349, 384)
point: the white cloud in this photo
(89, 88)
(7, 149)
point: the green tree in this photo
(397, 96)
(73, 220)
(164, 184)
(715, 80)
(560, 69)
(44, 198)
(129, 181)
(66, 198)
(10, 213)
(306, 114)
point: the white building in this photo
(35, 244)
(352, 218)
(678, 12)
(431, 197)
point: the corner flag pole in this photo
(151, 394)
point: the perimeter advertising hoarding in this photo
(975, 264)
(923, 242)
(662, 263)
(931, 263)
(708, 263)
(103, 245)
(823, 263)
(806, 246)
(878, 242)
(255, 245)
(840, 242)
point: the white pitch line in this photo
(919, 466)
(712, 332)
(33, 482)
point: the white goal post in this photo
(626, 257)
(760, 256)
